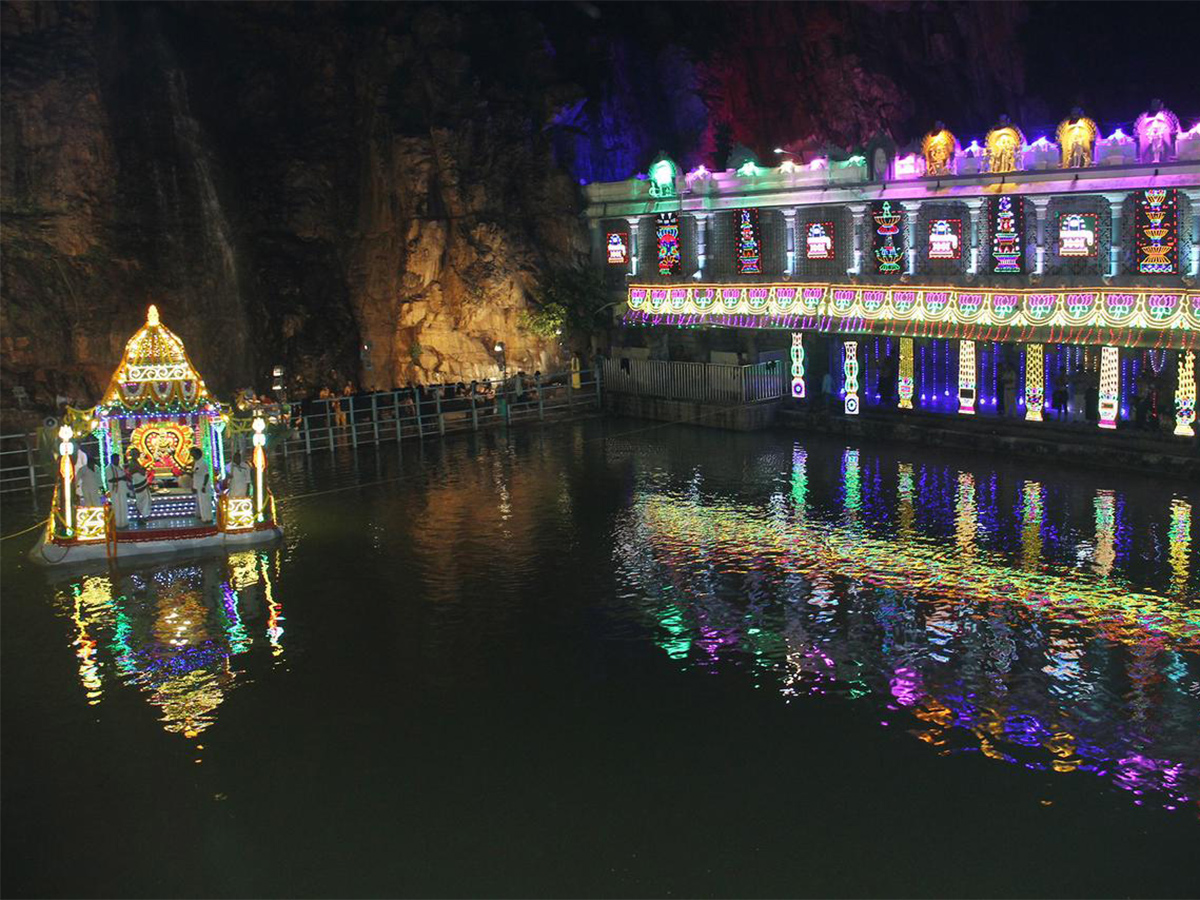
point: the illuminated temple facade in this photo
(939, 280)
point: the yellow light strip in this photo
(1035, 382)
(1157, 310)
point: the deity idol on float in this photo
(155, 446)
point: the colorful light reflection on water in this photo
(173, 631)
(963, 612)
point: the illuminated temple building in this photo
(1038, 262)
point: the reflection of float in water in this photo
(175, 630)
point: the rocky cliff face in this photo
(350, 192)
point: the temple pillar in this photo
(1115, 202)
(596, 236)
(859, 211)
(910, 228)
(1035, 382)
(701, 240)
(976, 208)
(634, 247)
(789, 218)
(1041, 205)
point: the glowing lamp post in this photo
(260, 463)
(66, 454)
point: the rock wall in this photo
(347, 191)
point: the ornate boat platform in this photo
(144, 472)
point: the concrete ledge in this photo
(1179, 458)
(749, 417)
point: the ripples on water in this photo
(1050, 623)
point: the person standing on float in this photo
(139, 481)
(240, 477)
(202, 485)
(121, 492)
(87, 484)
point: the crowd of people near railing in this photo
(412, 400)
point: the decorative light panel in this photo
(89, 523)
(1185, 395)
(945, 239)
(748, 243)
(966, 377)
(670, 260)
(1035, 382)
(905, 382)
(617, 247)
(850, 377)
(818, 241)
(1006, 221)
(1077, 234)
(798, 390)
(1110, 386)
(887, 237)
(240, 514)
(1156, 231)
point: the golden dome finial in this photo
(152, 315)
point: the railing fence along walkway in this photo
(371, 419)
(700, 382)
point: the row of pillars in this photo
(1035, 381)
(1041, 206)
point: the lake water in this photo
(621, 658)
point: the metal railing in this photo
(414, 413)
(367, 419)
(700, 382)
(21, 465)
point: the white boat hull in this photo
(46, 553)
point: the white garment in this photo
(141, 493)
(121, 494)
(240, 480)
(87, 486)
(203, 488)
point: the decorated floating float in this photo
(169, 439)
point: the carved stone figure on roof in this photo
(1076, 137)
(1156, 130)
(938, 149)
(1002, 145)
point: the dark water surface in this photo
(613, 658)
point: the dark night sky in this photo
(786, 71)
